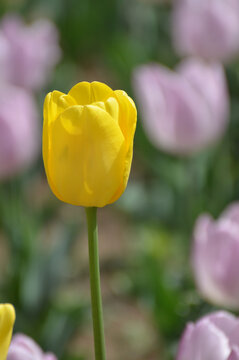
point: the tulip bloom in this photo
(24, 348)
(19, 130)
(183, 111)
(88, 143)
(7, 319)
(208, 29)
(214, 337)
(28, 53)
(215, 257)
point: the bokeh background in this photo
(149, 292)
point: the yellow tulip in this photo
(7, 319)
(88, 143)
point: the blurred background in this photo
(149, 292)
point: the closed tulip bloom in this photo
(215, 257)
(19, 130)
(28, 53)
(88, 143)
(24, 348)
(213, 337)
(7, 319)
(209, 29)
(183, 111)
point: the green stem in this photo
(96, 301)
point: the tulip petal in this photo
(19, 353)
(215, 260)
(24, 348)
(7, 319)
(112, 107)
(55, 103)
(185, 340)
(86, 93)
(234, 354)
(87, 156)
(23, 342)
(202, 260)
(127, 115)
(215, 94)
(127, 122)
(204, 341)
(224, 321)
(50, 356)
(231, 213)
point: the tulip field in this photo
(119, 180)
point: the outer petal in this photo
(185, 341)
(215, 94)
(86, 93)
(55, 103)
(234, 354)
(234, 336)
(204, 341)
(24, 348)
(224, 321)
(50, 356)
(231, 213)
(127, 122)
(86, 160)
(7, 319)
(18, 353)
(199, 258)
(127, 115)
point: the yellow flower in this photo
(88, 143)
(7, 319)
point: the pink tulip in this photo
(215, 257)
(234, 354)
(27, 53)
(182, 111)
(214, 337)
(206, 28)
(19, 131)
(24, 348)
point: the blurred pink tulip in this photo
(182, 111)
(206, 28)
(27, 53)
(234, 354)
(215, 257)
(214, 337)
(19, 131)
(24, 348)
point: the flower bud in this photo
(88, 143)
(183, 111)
(19, 130)
(215, 257)
(208, 29)
(24, 348)
(28, 53)
(214, 337)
